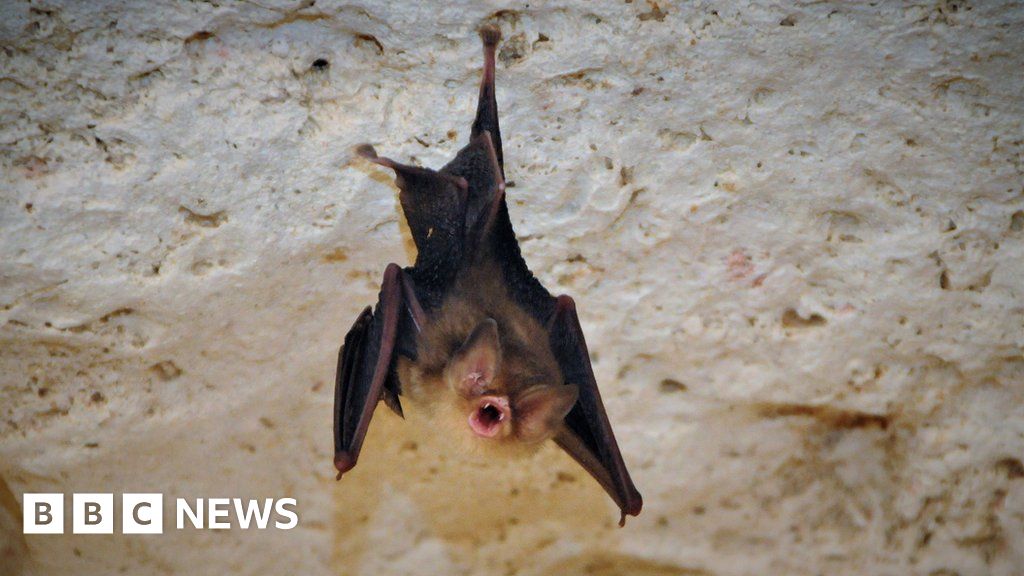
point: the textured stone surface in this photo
(796, 234)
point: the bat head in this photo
(504, 392)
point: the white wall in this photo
(794, 233)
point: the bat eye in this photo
(486, 420)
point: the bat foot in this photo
(490, 34)
(366, 151)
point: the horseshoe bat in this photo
(467, 331)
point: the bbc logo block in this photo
(93, 514)
(44, 514)
(142, 514)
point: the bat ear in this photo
(541, 409)
(472, 368)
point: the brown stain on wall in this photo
(603, 563)
(829, 416)
(292, 17)
(211, 220)
(334, 256)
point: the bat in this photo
(467, 332)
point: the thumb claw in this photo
(344, 462)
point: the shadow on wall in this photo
(12, 542)
(410, 480)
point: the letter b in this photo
(93, 514)
(43, 514)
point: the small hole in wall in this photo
(320, 64)
(792, 319)
(1013, 468)
(944, 280)
(1017, 221)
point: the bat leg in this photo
(364, 365)
(434, 204)
(411, 179)
(487, 106)
(389, 396)
(587, 435)
(482, 212)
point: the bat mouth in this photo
(486, 420)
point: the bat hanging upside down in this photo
(467, 332)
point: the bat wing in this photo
(587, 435)
(366, 364)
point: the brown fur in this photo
(526, 358)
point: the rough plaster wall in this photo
(794, 231)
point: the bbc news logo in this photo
(144, 513)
